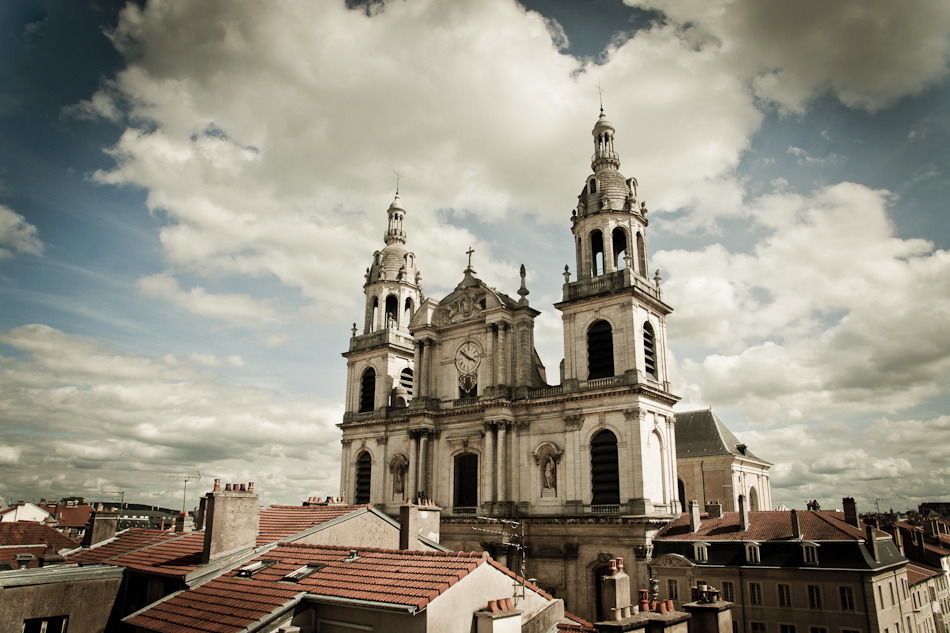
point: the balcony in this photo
(389, 336)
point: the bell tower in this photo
(380, 359)
(613, 313)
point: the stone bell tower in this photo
(380, 360)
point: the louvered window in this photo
(604, 470)
(368, 390)
(600, 351)
(364, 471)
(649, 350)
(466, 480)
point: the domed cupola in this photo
(394, 262)
(606, 189)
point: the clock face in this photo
(468, 357)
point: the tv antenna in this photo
(185, 479)
(119, 493)
(512, 535)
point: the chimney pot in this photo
(250, 487)
(217, 485)
(620, 564)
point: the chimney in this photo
(232, 521)
(796, 525)
(200, 513)
(743, 514)
(872, 543)
(714, 510)
(184, 522)
(931, 528)
(694, 521)
(850, 511)
(615, 590)
(418, 520)
(101, 526)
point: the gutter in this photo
(366, 604)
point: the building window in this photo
(56, 624)
(368, 391)
(619, 240)
(752, 554)
(755, 594)
(596, 252)
(649, 351)
(405, 381)
(604, 469)
(847, 598)
(728, 591)
(890, 586)
(466, 480)
(817, 629)
(786, 628)
(364, 471)
(600, 351)
(757, 627)
(593, 185)
(850, 630)
(814, 597)
(810, 553)
(672, 589)
(784, 595)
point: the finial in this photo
(398, 174)
(354, 329)
(600, 92)
(656, 278)
(567, 274)
(523, 291)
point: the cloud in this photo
(235, 309)
(102, 419)
(829, 311)
(17, 236)
(868, 53)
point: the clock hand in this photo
(468, 357)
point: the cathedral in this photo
(448, 400)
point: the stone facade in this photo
(586, 468)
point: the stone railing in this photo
(464, 510)
(544, 392)
(610, 508)
(380, 337)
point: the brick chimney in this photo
(872, 543)
(743, 514)
(232, 520)
(694, 521)
(850, 511)
(714, 510)
(615, 592)
(184, 522)
(417, 520)
(101, 526)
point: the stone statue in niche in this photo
(550, 473)
(398, 467)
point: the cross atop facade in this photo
(469, 252)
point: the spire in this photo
(604, 153)
(395, 234)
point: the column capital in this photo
(634, 414)
(573, 421)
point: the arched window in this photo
(405, 380)
(681, 490)
(375, 323)
(604, 469)
(753, 499)
(596, 252)
(407, 312)
(364, 470)
(649, 351)
(619, 241)
(392, 310)
(641, 256)
(593, 185)
(466, 480)
(653, 488)
(600, 351)
(368, 390)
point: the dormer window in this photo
(810, 553)
(299, 574)
(701, 552)
(752, 553)
(253, 568)
(592, 185)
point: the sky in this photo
(190, 193)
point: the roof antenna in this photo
(600, 92)
(398, 174)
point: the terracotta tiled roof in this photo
(125, 542)
(765, 525)
(919, 573)
(280, 522)
(231, 602)
(175, 556)
(575, 623)
(69, 516)
(33, 533)
(9, 553)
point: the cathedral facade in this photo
(448, 400)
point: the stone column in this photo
(502, 461)
(424, 462)
(502, 353)
(413, 466)
(427, 368)
(609, 266)
(490, 356)
(418, 379)
(489, 466)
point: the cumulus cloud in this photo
(99, 419)
(829, 312)
(235, 309)
(17, 236)
(868, 53)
